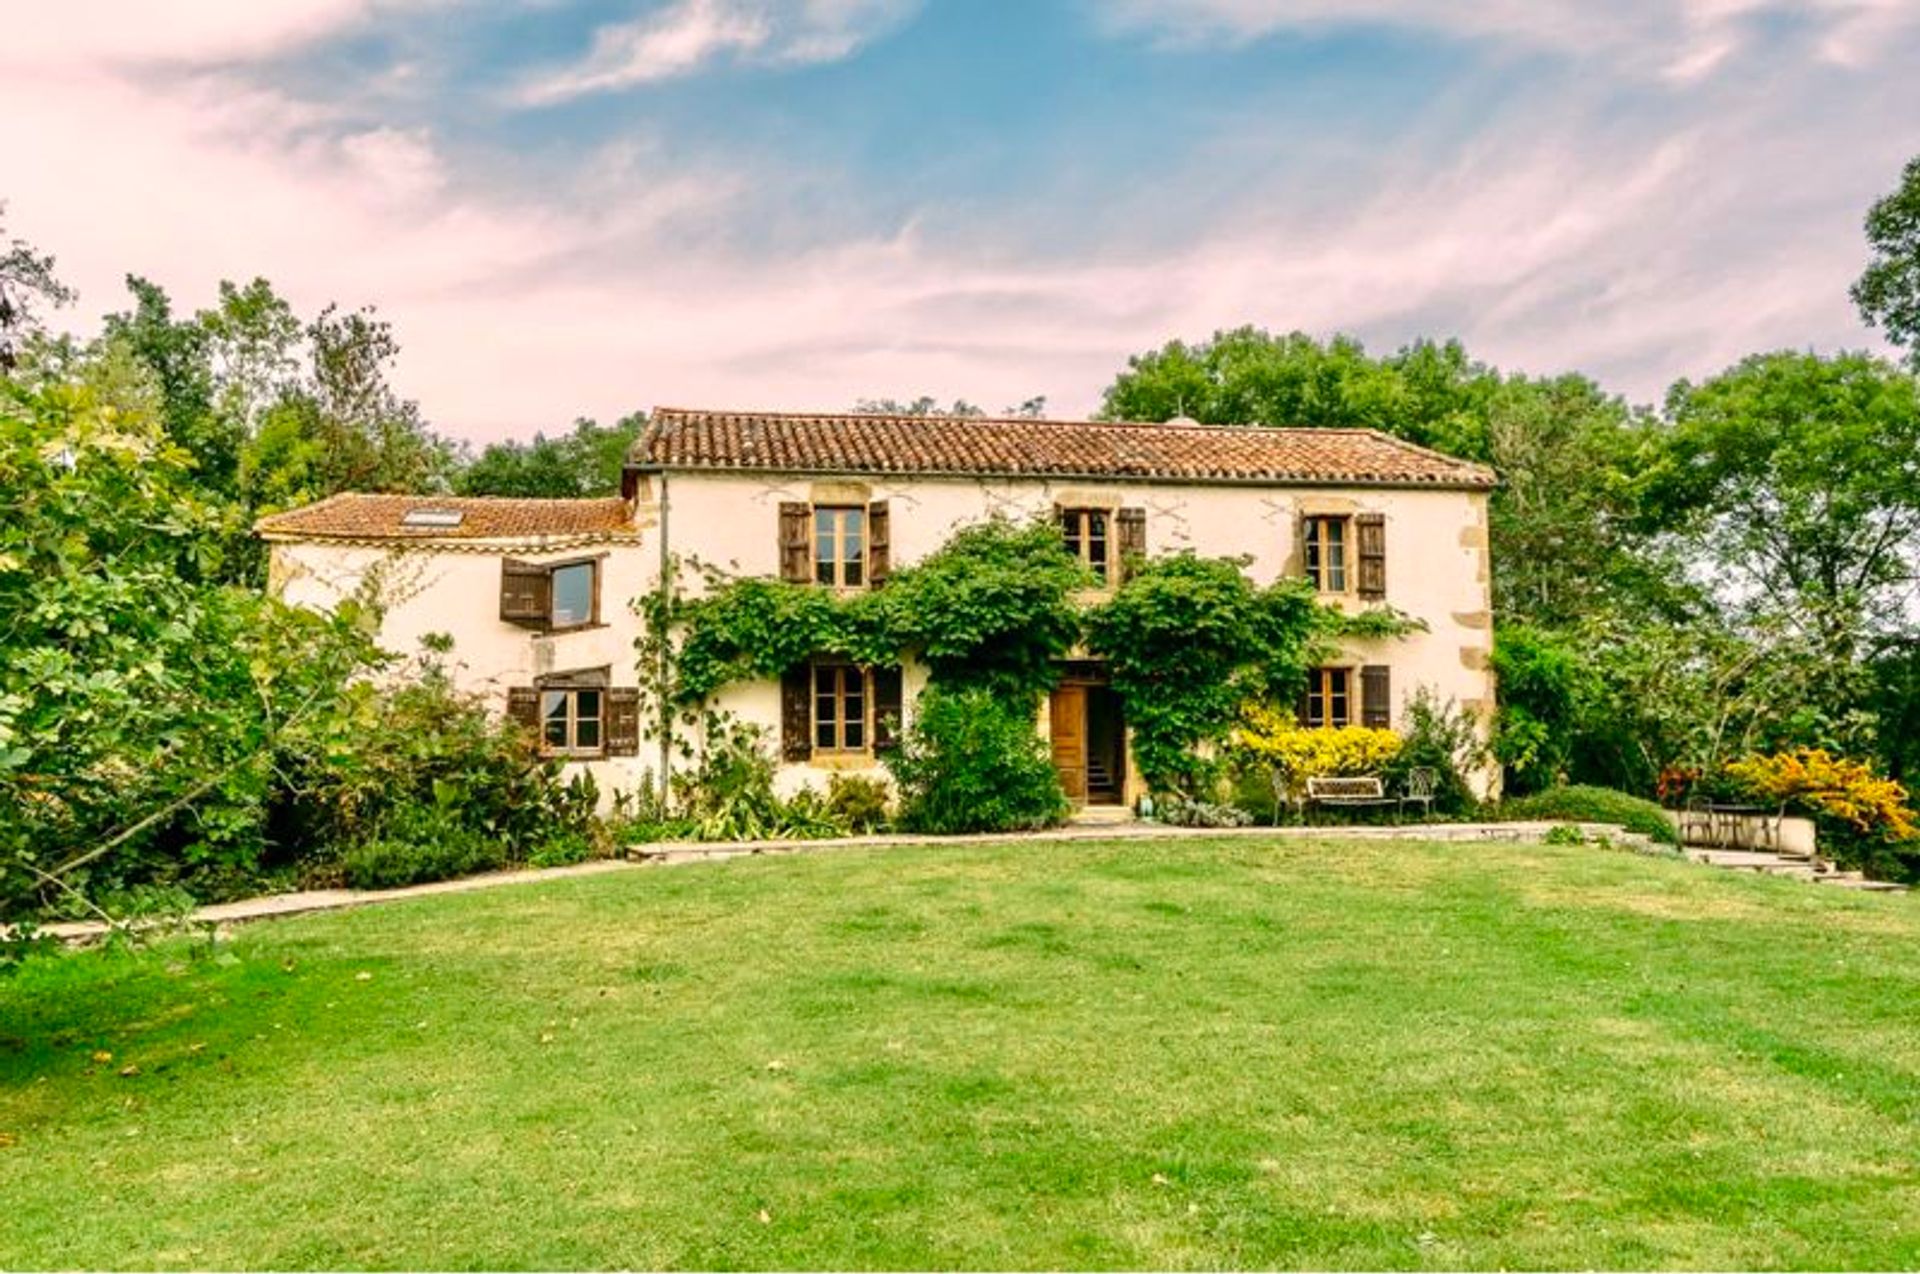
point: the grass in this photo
(1174, 1054)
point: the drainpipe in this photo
(666, 667)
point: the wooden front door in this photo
(1069, 716)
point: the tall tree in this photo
(1567, 543)
(1888, 293)
(1800, 477)
(27, 282)
(925, 405)
(1428, 393)
(586, 462)
(343, 426)
(176, 352)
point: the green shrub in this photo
(421, 845)
(973, 763)
(859, 804)
(428, 766)
(1438, 736)
(1581, 804)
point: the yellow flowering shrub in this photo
(1296, 753)
(1847, 790)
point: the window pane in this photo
(856, 733)
(823, 732)
(587, 734)
(573, 594)
(553, 718)
(852, 573)
(823, 680)
(586, 703)
(1336, 555)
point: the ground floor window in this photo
(1329, 702)
(571, 721)
(840, 698)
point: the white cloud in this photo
(1564, 234)
(687, 35)
(117, 32)
(1682, 40)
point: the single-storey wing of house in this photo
(537, 594)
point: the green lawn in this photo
(1201, 1053)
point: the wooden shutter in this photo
(796, 542)
(796, 713)
(879, 543)
(526, 593)
(523, 708)
(623, 721)
(1132, 538)
(1370, 529)
(1376, 697)
(887, 708)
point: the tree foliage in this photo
(141, 697)
(27, 283)
(1798, 477)
(577, 465)
(1888, 292)
(1188, 640)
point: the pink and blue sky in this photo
(580, 208)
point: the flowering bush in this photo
(1846, 790)
(1295, 754)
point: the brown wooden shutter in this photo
(1132, 526)
(1371, 531)
(796, 713)
(526, 593)
(887, 708)
(796, 542)
(1376, 697)
(623, 721)
(523, 708)
(879, 543)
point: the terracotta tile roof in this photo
(352, 516)
(678, 438)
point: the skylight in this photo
(433, 517)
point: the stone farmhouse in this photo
(537, 594)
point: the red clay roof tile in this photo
(680, 438)
(352, 516)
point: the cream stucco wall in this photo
(1438, 569)
(1437, 572)
(429, 589)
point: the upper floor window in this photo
(1327, 539)
(573, 593)
(839, 546)
(552, 595)
(1086, 532)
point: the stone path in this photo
(1808, 867)
(682, 852)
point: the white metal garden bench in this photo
(1349, 791)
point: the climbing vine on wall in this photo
(992, 608)
(1189, 639)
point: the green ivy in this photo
(1188, 639)
(992, 608)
